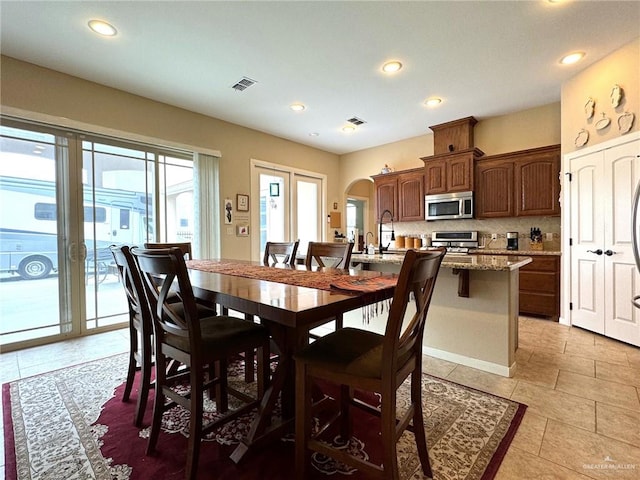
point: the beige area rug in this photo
(71, 424)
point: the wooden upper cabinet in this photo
(411, 195)
(450, 172)
(494, 192)
(386, 187)
(538, 183)
(435, 176)
(460, 173)
(523, 183)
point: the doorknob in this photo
(597, 252)
(608, 253)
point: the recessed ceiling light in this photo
(102, 28)
(348, 129)
(391, 67)
(572, 58)
(297, 107)
(314, 134)
(433, 101)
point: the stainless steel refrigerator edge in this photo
(635, 236)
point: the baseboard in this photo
(471, 362)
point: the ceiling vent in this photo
(356, 121)
(243, 84)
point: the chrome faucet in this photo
(393, 235)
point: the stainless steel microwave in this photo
(448, 206)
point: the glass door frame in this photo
(259, 166)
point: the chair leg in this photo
(388, 437)
(345, 419)
(418, 422)
(221, 387)
(303, 421)
(145, 380)
(158, 401)
(131, 370)
(195, 421)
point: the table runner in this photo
(324, 280)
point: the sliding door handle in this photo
(597, 252)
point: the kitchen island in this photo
(476, 327)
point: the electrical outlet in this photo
(494, 236)
(549, 236)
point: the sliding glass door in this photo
(65, 198)
(34, 245)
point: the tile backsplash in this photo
(486, 227)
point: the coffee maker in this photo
(512, 240)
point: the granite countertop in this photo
(487, 251)
(504, 251)
(458, 261)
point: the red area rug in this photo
(71, 424)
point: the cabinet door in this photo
(411, 196)
(386, 195)
(494, 189)
(538, 185)
(435, 176)
(460, 174)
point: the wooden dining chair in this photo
(201, 344)
(327, 254)
(140, 329)
(185, 247)
(362, 360)
(331, 255)
(280, 253)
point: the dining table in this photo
(289, 301)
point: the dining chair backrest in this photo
(280, 252)
(133, 286)
(417, 279)
(163, 270)
(185, 247)
(327, 254)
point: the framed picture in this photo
(228, 211)
(242, 230)
(242, 203)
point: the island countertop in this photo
(457, 261)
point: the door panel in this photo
(622, 171)
(588, 267)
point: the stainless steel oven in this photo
(448, 206)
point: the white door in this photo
(622, 173)
(604, 277)
(308, 204)
(587, 235)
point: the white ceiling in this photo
(483, 58)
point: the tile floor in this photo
(582, 390)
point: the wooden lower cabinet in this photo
(540, 287)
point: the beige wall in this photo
(41, 93)
(621, 67)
